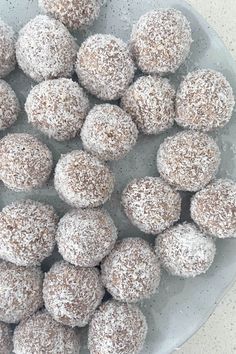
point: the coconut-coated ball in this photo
(151, 204)
(188, 160)
(72, 294)
(204, 101)
(108, 132)
(20, 291)
(58, 108)
(104, 66)
(86, 236)
(161, 40)
(117, 328)
(26, 163)
(6, 343)
(82, 180)
(72, 13)
(150, 103)
(7, 49)
(27, 232)
(131, 272)
(9, 105)
(185, 251)
(40, 334)
(214, 209)
(45, 49)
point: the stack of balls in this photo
(48, 309)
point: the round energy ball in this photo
(131, 272)
(72, 294)
(161, 40)
(73, 13)
(213, 209)
(117, 328)
(27, 232)
(9, 105)
(151, 204)
(82, 180)
(7, 49)
(150, 103)
(86, 236)
(104, 66)
(108, 132)
(204, 101)
(6, 343)
(58, 108)
(188, 160)
(26, 163)
(41, 334)
(45, 49)
(184, 251)
(20, 292)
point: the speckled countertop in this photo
(218, 335)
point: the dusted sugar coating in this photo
(117, 328)
(108, 132)
(82, 180)
(214, 209)
(73, 13)
(72, 294)
(7, 49)
(151, 204)
(27, 232)
(86, 236)
(45, 49)
(104, 66)
(9, 105)
(185, 251)
(20, 292)
(26, 163)
(58, 108)
(41, 334)
(161, 41)
(204, 101)
(6, 343)
(188, 160)
(150, 103)
(131, 272)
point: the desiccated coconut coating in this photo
(185, 251)
(151, 204)
(131, 272)
(117, 328)
(45, 49)
(73, 13)
(72, 294)
(108, 132)
(214, 209)
(27, 232)
(40, 334)
(150, 103)
(86, 236)
(104, 66)
(20, 292)
(6, 344)
(82, 180)
(204, 101)
(26, 163)
(7, 49)
(57, 108)
(9, 105)
(188, 160)
(161, 40)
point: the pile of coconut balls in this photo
(47, 310)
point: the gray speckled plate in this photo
(181, 306)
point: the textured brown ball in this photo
(9, 106)
(7, 49)
(117, 328)
(6, 343)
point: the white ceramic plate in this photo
(181, 306)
